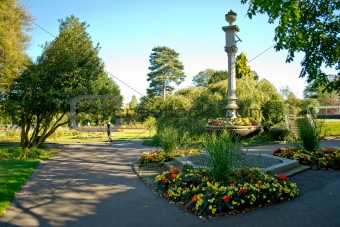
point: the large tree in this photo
(14, 21)
(308, 26)
(209, 76)
(242, 68)
(165, 68)
(69, 66)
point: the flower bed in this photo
(158, 157)
(240, 121)
(193, 189)
(326, 158)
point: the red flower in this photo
(152, 159)
(232, 185)
(226, 198)
(243, 191)
(194, 198)
(173, 176)
(165, 180)
(283, 177)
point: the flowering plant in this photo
(240, 121)
(158, 157)
(325, 158)
(250, 188)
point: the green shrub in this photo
(26, 153)
(273, 112)
(309, 133)
(223, 155)
(154, 142)
(169, 138)
(279, 132)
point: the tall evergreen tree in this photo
(14, 21)
(165, 69)
(242, 69)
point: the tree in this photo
(14, 21)
(242, 69)
(165, 68)
(133, 103)
(311, 27)
(218, 76)
(203, 77)
(69, 66)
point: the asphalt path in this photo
(94, 185)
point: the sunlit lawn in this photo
(126, 134)
(331, 127)
(13, 174)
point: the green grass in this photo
(331, 128)
(13, 174)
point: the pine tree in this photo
(165, 69)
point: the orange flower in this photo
(173, 176)
(165, 180)
(194, 198)
(172, 171)
(152, 158)
(283, 177)
(226, 198)
(243, 191)
(232, 185)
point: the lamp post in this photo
(231, 49)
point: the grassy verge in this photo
(13, 174)
(331, 128)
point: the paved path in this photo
(94, 185)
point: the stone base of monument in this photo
(265, 162)
(242, 131)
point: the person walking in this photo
(109, 131)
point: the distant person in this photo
(89, 124)
(109, 131)
(6, 127)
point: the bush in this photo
(309, 133)
(273, 112)
(279, 132)
(223, 154)
(154, 142)
(169, 138)
(26, 153)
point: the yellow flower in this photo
(210, 207)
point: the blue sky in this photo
(128, 30)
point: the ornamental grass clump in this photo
(309, 133)
(195, 190)
(168, 138)
(223, 153)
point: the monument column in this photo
(231, 49)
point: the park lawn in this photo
(331, 127)
(125, 134)
(13, 174)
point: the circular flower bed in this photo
(326, 158)
(158, 157)
(240, 121)
(194, 189)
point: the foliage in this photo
(13, 174)
(242, 69)
(311, 27)
(218, 76)
(24, 153)
(326, 158)
(69, 66)
(150, 124)
(223, 154)
(279, 132)
(194, 189)
(154, 142)
(309, 133)
(165, 68)
(169, 139)
(259, 139)
(273, 112)
(15, 21)
(203, 77)
(158, 157)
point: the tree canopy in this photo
(69, 66)
(308, 26)
(165, 68)
(14, 21)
